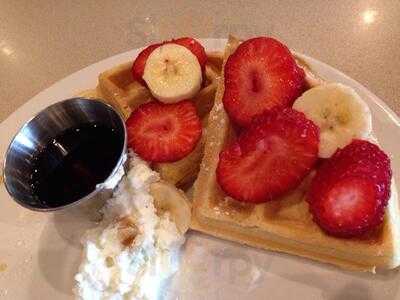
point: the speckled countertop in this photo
(44, 41)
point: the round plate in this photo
(40, 252)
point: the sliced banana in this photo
(172, 73)
(168, 198)
(339, 112)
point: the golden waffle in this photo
(284, 225)
(119, 89)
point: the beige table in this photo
(43, 41)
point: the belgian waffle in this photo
(117, 87)
(285, 225)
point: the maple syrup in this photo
(71, 165)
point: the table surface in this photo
(43, 41)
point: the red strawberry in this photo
(160, 132)
(350, 191)
(270, 157)
(140, 62)
(195, 47)
(260, 75)
(365, 158)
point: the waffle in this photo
(121, 91)
(118, 88)
(284, 225)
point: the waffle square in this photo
(284, 225)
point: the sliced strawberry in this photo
(270, 157)
(349, 207)
(160, 132)
(359, 158)
(195, 47)
(350, 191)
(140, 62)
(260, 75)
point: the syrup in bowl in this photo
(71, 152)
(73, 163)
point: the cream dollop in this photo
(134, 250)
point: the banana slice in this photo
(340, 114)
(172, 73)
(168, 198)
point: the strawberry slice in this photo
(160, 132)
(350, 191)
(270, 157)
(348, 204)
(140, 62)
(260, 75)
(194, 46)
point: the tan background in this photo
(44, 41)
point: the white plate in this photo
(40, 252)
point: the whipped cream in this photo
(134, 250)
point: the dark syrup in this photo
(72, 164)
